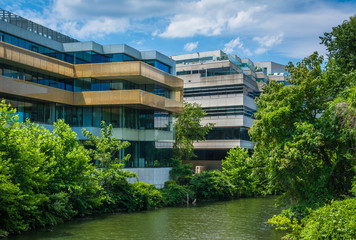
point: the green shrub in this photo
(281, 222)
(117, 191)
(333, 221)
(212, 185)
(182, 173)
(146, 196)
(169, 182)
(174, 194)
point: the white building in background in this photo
(225, 86)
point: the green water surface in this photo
(238, 219)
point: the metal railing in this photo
(28, 25)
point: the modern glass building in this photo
(225, 86)
(48, 76)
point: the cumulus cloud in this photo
(190, 46)
(97, 28)
(267, 42)
(244, 17)
(236, 45)
(211, 18)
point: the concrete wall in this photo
(155, 176)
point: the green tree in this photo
(304, 148)
(238, 167)
(341, 44)
(189, 129)
(106, 148)
(45, 176)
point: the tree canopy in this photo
(302, 131)
(341, 44)
(189, 129)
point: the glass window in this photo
(96, 116)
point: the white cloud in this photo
(244, 17)
(155, 33)
(211, 18)
(269, 41)
(95, 29)
(190, 46)
(230, 46)
(236, 45)
(260, 50)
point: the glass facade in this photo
(206, 154)
(210, 72)
(195, 60)
(159, 65)
(80, 84)
(144, 154)
(77, 57)
(229, 110)
(220, 90)
(228, 133)
(90, 116)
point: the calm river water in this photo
(238, 219)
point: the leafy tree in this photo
(303, 145)
(117, 191)
(341, 44)
(238, 167)
(45, 177)
(106, 147)
(189, 129)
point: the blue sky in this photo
(274, 30)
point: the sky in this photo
(274, 30)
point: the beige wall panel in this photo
(35, 91)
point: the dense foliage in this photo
(182, 173)
(212, 185)
(341, 44)
(239, 168)
(307, 149)
(44, 176)
(174, 194)
(333, 221)
(306, 139)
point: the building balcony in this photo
(134, 98)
